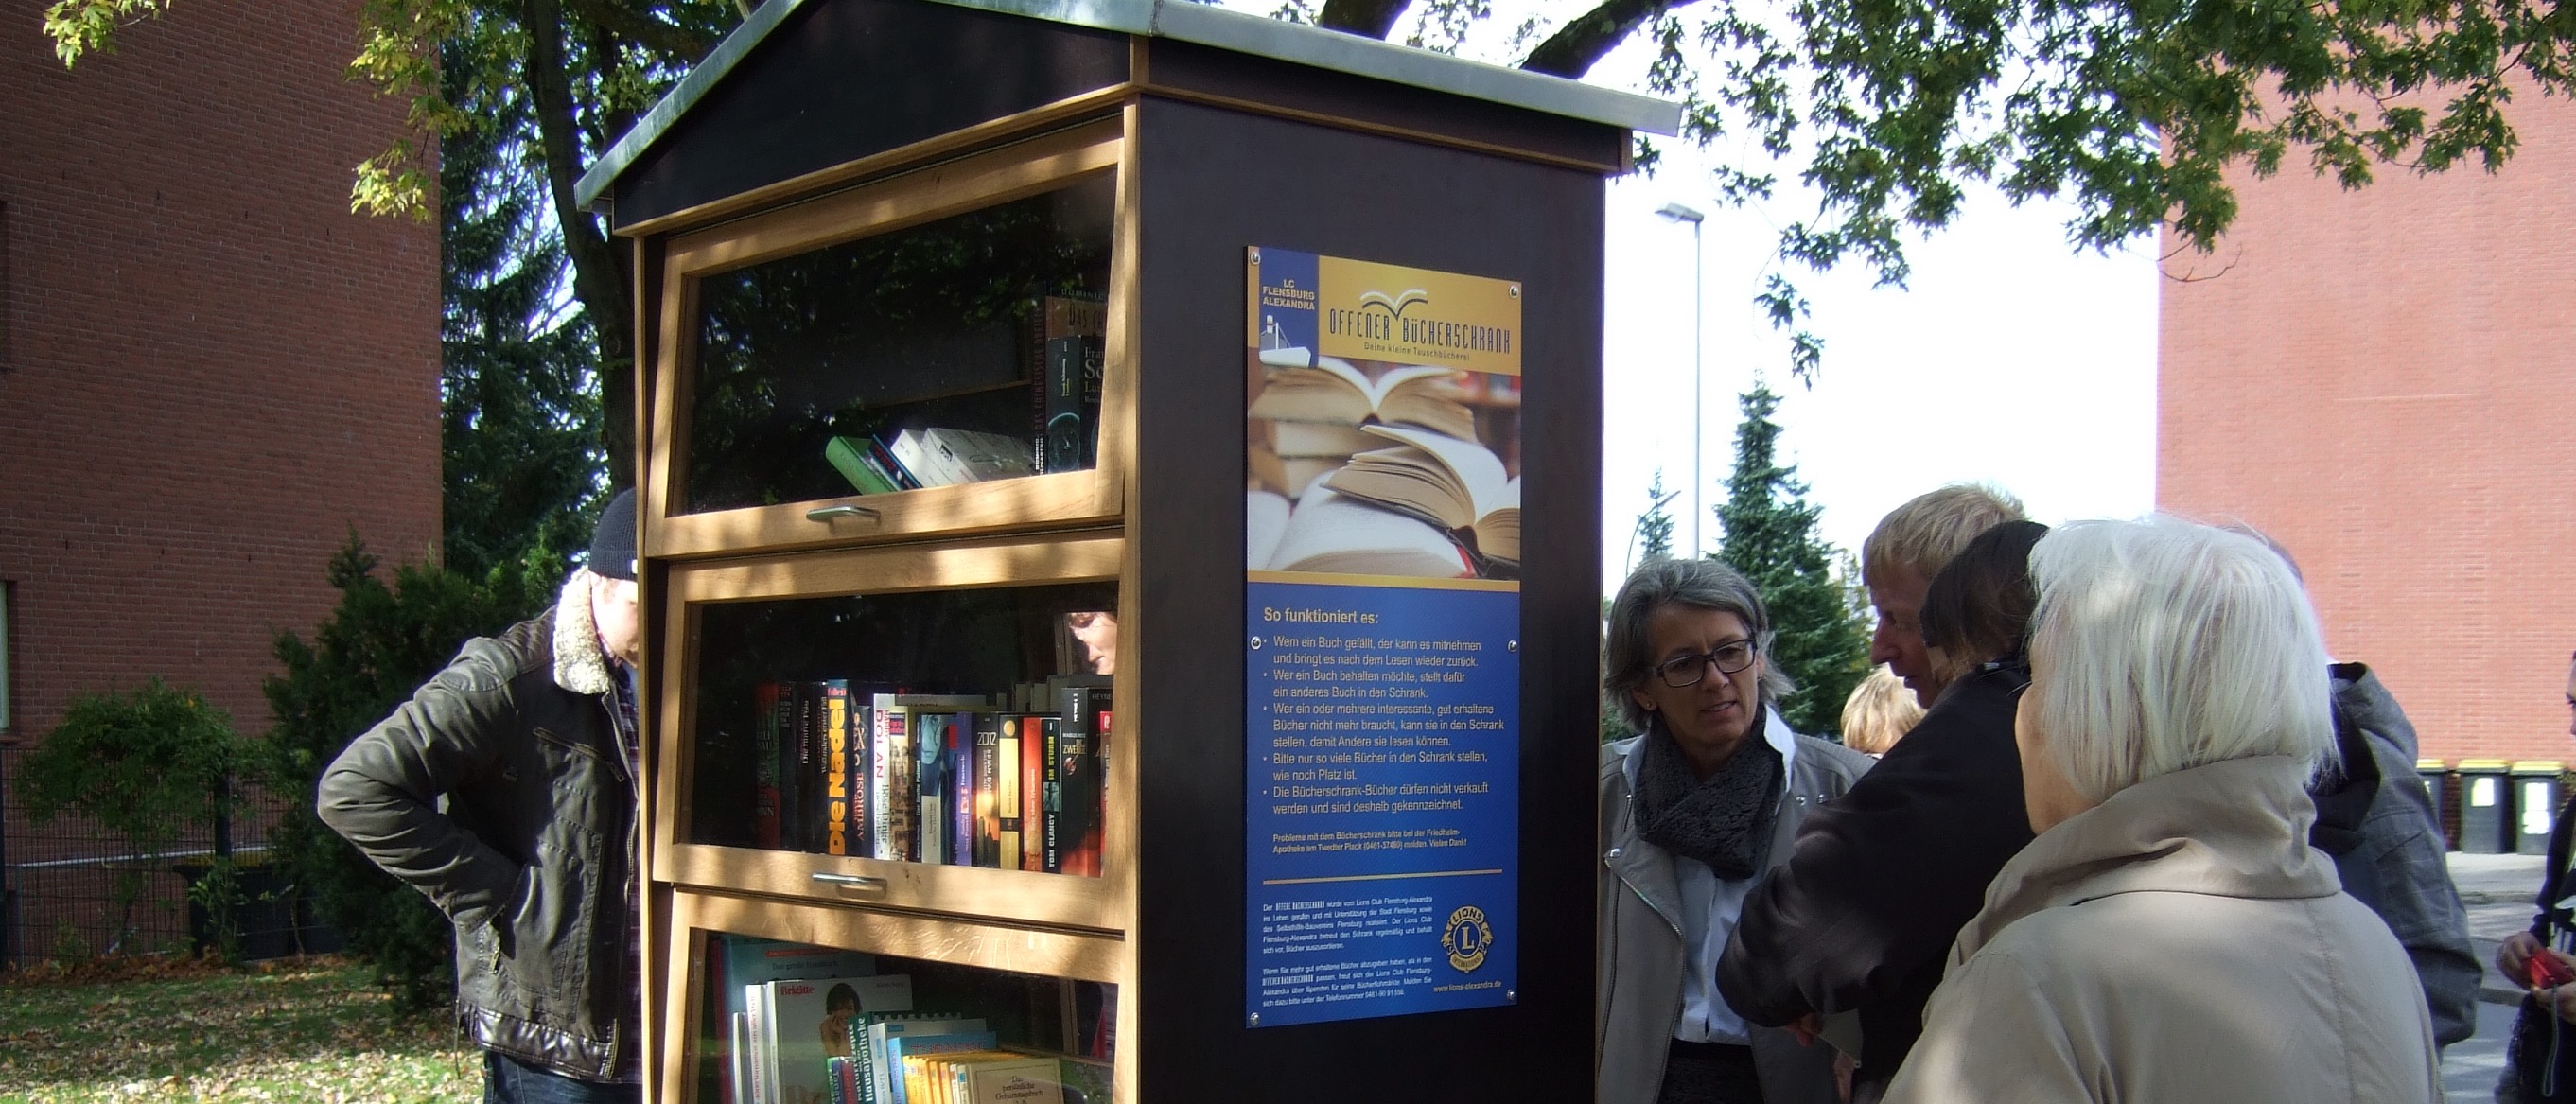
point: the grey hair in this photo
(1626, 661)
(2164, 645)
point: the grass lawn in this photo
(311, 1031)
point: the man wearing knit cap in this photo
(505, 790)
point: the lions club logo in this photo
(1467, 937)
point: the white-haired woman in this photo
(1691, 814)
(2170, 935)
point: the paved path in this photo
(2469, 1069)
(2497, 890)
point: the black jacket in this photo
(531, 854)
(2542, 1052)
(1883, 878)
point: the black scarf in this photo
(1725, 821)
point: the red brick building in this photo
(2386, 381)
(210, 370)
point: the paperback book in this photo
(808, 1021)
(1067, 352)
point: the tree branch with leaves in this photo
(1889, 111)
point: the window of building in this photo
(8, 596)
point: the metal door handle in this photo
(852, 881)
(827, 513)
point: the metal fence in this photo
(69, 891)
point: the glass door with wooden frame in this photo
(781, 1002)
(927, 354)
(919, 727)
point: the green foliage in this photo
(144, 767)
(1655, 526)
(1823, 644)
(379, 644)
(400, 54)
(518, 385)
(1890, 110)
(89, 26)
(2135, 109)
(218, 891)
(620, 59)
(68, 947)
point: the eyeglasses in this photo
(1688, 670)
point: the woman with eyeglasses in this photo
(1691, 814)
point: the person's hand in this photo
(1843, 1067)
(1807, 1028)
(2513, 958)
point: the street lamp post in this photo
(1678, 213)
(1629, 562)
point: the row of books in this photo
(1013, 781)
(1066, 346)
(857, 1040)
(917, 458)
(934, 1059)
(786, 1030)
(740, 970)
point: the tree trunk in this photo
(600, 279)
(617, 18)
(1576, 47)
(1373, 18)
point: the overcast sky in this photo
(2010, 359)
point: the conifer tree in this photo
(1654, 530)
(1770, 536)
(519, 388)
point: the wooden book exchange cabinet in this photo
(969, 426)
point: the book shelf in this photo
(866, 228)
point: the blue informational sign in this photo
(1382, 541)
(1382, 798)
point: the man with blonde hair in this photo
(1911, 544)
(1883, 877)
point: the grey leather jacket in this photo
(502, 791)
(2392, 859)
(1637, 983)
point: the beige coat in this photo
(1637, 980)
(2180, 943)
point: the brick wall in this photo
(213, 369)
(2386, 381)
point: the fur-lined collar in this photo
(579, 666)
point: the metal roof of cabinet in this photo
(1024, 71)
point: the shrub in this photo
(145, 767)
